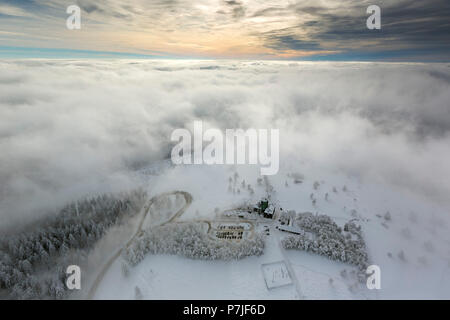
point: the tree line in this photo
(33, 261)
(190, 240)
(324, 237)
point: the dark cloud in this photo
(420, 27)
(90, 7)
(270, 12)
(406, 24)
(283, 42)
(237, 8)
(232, 3)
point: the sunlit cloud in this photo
(233, 28)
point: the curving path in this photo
(146, 211)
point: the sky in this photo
(227, 29)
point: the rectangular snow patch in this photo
(276, 274)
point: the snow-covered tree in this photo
(323, 236)
(69, 233)
(189, 240)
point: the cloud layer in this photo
(69, 128)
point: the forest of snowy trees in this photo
(323, 236)
(191, 241)
(33, 261)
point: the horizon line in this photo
(20, 53)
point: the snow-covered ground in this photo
(416, 227)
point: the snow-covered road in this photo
(145, 212)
